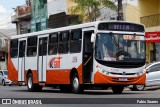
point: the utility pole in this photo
(120, 10)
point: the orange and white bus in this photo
(97, 54)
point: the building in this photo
(59, 15)
(22, 18)
(150, 17)
(4, 35)
(39, 15)
(131, 12)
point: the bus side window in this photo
(76, 39)
(31, 46)
(53, 44)
(14, 48)
(63, 42)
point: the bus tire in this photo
(31, 86)
(117, 89)
(76, 87)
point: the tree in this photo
(90, 8)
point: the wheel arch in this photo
(34, 74)
(73, 70)
(29, 71)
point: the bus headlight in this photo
(102, 70)
(140, 73)
(99, 69)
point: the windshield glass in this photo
(120, 47)
(5, 72)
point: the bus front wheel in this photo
(31, 86)
(117, 89)
(76, 87)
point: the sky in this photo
(6, 11)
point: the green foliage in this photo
(90, 8)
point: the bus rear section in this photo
(98, 54)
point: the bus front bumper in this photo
(111, 80)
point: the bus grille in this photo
(122, 73)
(128, 80)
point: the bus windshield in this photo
(120, 47)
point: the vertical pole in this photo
(120, 10)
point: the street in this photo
(21, 92)
(78, 44)
(47, 92)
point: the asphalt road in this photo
(21, 92)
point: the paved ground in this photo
(21, 92)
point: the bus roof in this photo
(84, 25)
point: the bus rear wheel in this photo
(76, 87)
(117, 89)
(31, 86)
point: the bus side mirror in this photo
(93, 38)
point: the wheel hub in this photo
(29, 82)
(75, 83)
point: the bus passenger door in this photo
(21, 60)
(42, 59)
(87, 56)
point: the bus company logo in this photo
(124, 73)
(55, 62)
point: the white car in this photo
(152, 77)
(4, 78)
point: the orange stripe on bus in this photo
(12, 72)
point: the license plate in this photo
(123, 79)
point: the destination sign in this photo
(121, 26)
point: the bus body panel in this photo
(60, 66)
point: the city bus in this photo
(97, 54)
